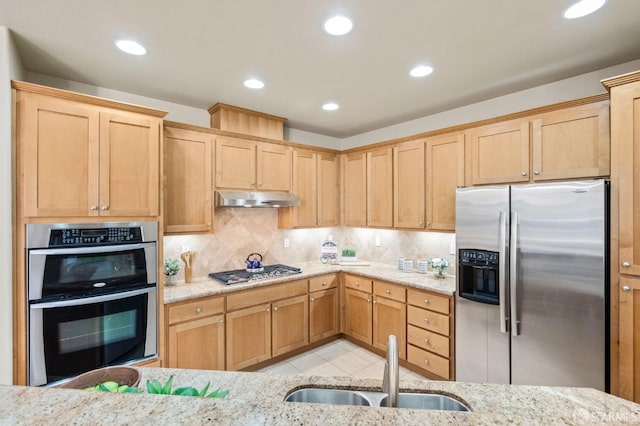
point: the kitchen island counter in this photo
(205, 286)
(257, 398)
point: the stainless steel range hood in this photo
(255, 199)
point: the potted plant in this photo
(171, 268)
(439, 264)
(349, 255)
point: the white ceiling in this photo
(200, 52)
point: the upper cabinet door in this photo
(129, 164)
(572, 143)
(273, 167)
(235, 163)
(500, 153)
(355, 189)
(328, 189)
(305, 182)
(58, 150)
(445, 171)
(188, 165)
(380, 188)
(408, 185)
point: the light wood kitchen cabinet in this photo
(430, 333)
(571, 143)
(82, 156)
(324, 307)
(266, 322)
(196, 334)
(241, 120)
(445, 172)
(389, 316)
(380, 188)
(249, 165)
(409, 185)
(355, 189)
(315, 183)
(188, 165)
(358, 321)
(625, 235)
(499, 153)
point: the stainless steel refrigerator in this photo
(532, 294)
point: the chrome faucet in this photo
(391, 378)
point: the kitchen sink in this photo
(424, 401)
(328, 396)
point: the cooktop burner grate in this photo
(243, 276)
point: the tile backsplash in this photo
(241, 231)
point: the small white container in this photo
(422, 266)
(407, 265)
(400, 261)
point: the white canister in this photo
(400, 261)
(423, 266)
(407, 266)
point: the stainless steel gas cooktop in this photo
(242, 275)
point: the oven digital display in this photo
(96, 332)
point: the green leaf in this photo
(204, 390)
(186, 391)
(218, 394)
(132, 390)
(166, 390)
(154, 387)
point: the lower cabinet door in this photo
(248, 336)
(389, 317)
(359, 321)
(324, 320)
(290, 324)
(197, 344)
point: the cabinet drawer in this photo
(266, 294)
(322, 282)
(195, 309)
(428, 320)
(390, 291)
(432, 301)
(428, 361)
(358, 283)
(427, 340)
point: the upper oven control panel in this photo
(94, 236)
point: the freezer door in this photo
(560, 283)
(482, 349)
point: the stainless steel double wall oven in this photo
(92, 292)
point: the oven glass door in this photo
(70, 337)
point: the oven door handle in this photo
(88, 250)
(93, 299)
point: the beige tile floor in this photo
(338, 358)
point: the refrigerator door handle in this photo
(502, 270)
(513, 268)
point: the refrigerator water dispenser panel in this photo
(479, 275)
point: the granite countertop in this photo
(205, 286)
(257, 398)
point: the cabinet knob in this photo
(208, 223)
(94, 208)
(368, 300)
(324, 283)
(426, 301)
(426, 361)
(387, 291)
(198, 310)
(421, 222)
(523, 173)
(428, 223)
(426, 320)
(625, 264)
(626, 288)
(536, 172)
(260, 184)
(374, 302)
(105, 208)
(221, 321)
(357, 284)
(253, 184)
(313, 298)
(426, 340)
(275, 309)
(268, 309)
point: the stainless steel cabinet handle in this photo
(94, 208)
(523, 173)
(105, 207)
(626, 288)
(198, 310)
(536, 172)
(625, 264)
(502, 269)
(515, 324)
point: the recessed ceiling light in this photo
(583, 8)
(330, 106)
(338, 25)
(421, 71)
(131, 47)
(253, 83)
